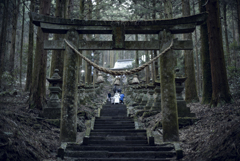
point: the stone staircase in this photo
(115, 138)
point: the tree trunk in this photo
(155, 64)
(81, 17)
(30, 51)
(38, 88)
(238, 18)
(88, 71)
(3, 39)
(226, 32)
(220, 86)
(20, 71)
(152, 67)
(58, 55)
(206, 64)
(233, 27)
(233, 53)
(147, 71)
(136, 55)
(197, 61)
(190, 83)
(13, 41)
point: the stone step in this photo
(118, 134)
(114, 118)
(75, 147)
(114, 127)
(118, 130)
(115, 138)
(142, 154)
(114, 107)
(101, 122)
(117, 114)
(113, 110)
(117, 143)
(118, 138)
(133, 154)
(123, 159)
(113, 113)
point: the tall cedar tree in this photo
(58, 55)
(30, 51)
(190, 83)
(220, 93)
(3, 39)
(238, 18)
(21, 50)
(13, 41)
(226, 31)
(88, 71)
(197, 61)
(81, 17)
(38, 88)
(206, 64)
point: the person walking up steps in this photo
(109, 96)
(121, 98)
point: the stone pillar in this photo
(68, 128)
(168, 89)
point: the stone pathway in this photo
(115, 138)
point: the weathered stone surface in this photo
(53, 109)
(168, 90)
(144, 99)
(68, 129)
(118, 36)
(177, 25)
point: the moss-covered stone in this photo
(55, 122)
(68, 129)
(149, 113)
(139, 113)
(157, 125)
(168, 89)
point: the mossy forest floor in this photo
(25, 136)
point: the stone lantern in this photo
(183, 110)
(100, 78)
(156, 106)
(135, 80)
(53, 109)
(117, 82)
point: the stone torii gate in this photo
(73, 27)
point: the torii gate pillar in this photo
(168, 89)
(68, 129)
